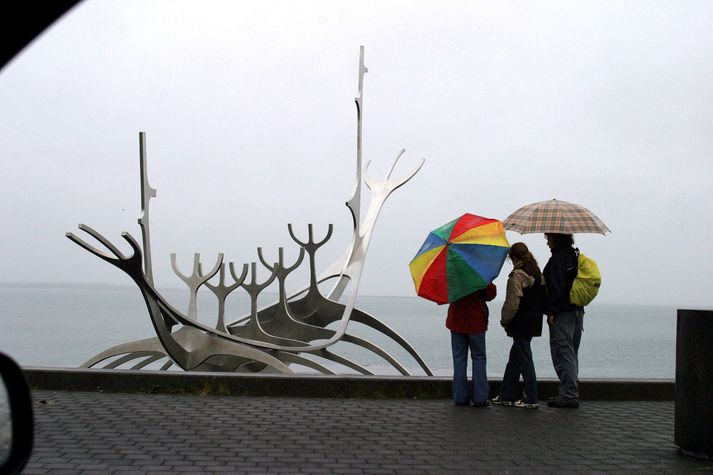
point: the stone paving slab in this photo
(124, 433)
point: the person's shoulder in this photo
(523, 277)
(563, 252)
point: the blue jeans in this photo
(565, 336)
(478, 391)
(520, 363)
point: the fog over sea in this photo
(65, 325)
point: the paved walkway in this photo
(82, 432)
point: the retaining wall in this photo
(422, 387)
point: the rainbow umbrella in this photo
(459, 258)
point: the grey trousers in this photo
(565, 335)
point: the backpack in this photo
(527, 322)
(587, 282)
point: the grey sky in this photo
(249, 114)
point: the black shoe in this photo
(462, 404)
(481, 404)
(563, 403)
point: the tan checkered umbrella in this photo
(554, 216)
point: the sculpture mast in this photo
(354, 203)
(147, 192)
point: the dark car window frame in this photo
(20, 405)
(20, 24)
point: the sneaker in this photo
(485, 403)
(564, 403)
(526, 405)
(497, 400)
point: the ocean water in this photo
(64, 326)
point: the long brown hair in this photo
(520, 253)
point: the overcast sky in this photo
(249, 112)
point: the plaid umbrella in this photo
(554, 216)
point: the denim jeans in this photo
(565, 336)
(478, 390)
(520, 363)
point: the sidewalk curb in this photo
(327, 386)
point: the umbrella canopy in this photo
(554, 216)
(459, 258)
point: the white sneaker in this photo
(500, 402)
(526, 405)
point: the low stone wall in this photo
(230, 384)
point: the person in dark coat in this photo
(521, 316)
(468, 321)
(564, 318)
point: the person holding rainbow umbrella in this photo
(457, 264)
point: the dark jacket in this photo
(559, 273)
(527, 322)
(470, 314)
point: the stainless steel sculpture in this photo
(292, 331)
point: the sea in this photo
(62, 326)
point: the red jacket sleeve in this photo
(490, 292)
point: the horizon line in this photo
(105, 285)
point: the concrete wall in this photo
(231, 384)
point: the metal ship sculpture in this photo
(291, 332)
